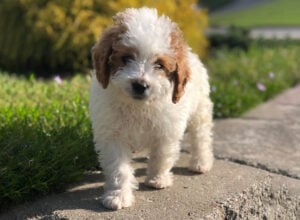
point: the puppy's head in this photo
(143, 55)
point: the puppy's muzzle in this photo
(140, 89)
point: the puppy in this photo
(147, 90)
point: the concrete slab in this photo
(269, 111)
(267, 137)
(284, 107)
(228, 190)
(290, 97)
(266, 144)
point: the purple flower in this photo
(58, 80)
(271, 75)
(213, 89)
(235, 82)
(261, 87)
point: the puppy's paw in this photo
(200, 167)
(117, 199)
(160, 181)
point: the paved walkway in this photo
(275, 32)
(256, 176)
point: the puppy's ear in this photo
(102, 51)
(182, 72)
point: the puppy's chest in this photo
(141, 129)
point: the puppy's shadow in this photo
(177, 170)
(142, 172)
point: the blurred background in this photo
(250, 48)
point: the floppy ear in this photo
(182, 72)
(102, 51)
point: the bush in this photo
(47, 36)
(233, 37)
(215, 4)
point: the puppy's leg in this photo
(200, 129)
(119, 179)
(161, 162)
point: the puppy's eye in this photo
(158, 65)
(127, 58)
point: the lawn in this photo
(45, 136)
(46, 139)
(242, 79)
(272, 13)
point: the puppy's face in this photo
(143, 56)
(141, 77)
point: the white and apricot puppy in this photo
(149, 88)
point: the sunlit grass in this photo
(45, 138)
(271, 13)
(240, 80)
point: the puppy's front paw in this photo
(198, 167)
(117, 199)
(160, 181)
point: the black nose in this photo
(139, 88)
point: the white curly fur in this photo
(122, 123)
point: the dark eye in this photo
(158, 65)
(127, 58)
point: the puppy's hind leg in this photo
(119, 179)
(200, 133)
(161, 162)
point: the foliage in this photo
(47, 36)
(232, 38)
(242, 79)
(270, 13)
(45, 139)
(214, 4)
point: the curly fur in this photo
(149, 50)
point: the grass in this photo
(272, 13)
(46, 139)
(242, 79)
(45, 136)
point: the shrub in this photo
(47, 36)
(233, 37)
(215, 4)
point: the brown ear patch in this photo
(102, 51)
(182, 72)
(120, 56)
(165, 63)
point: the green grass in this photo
(45, 136)
(237, 75)
(45, 132)
(273, 13)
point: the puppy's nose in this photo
(139, 87)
